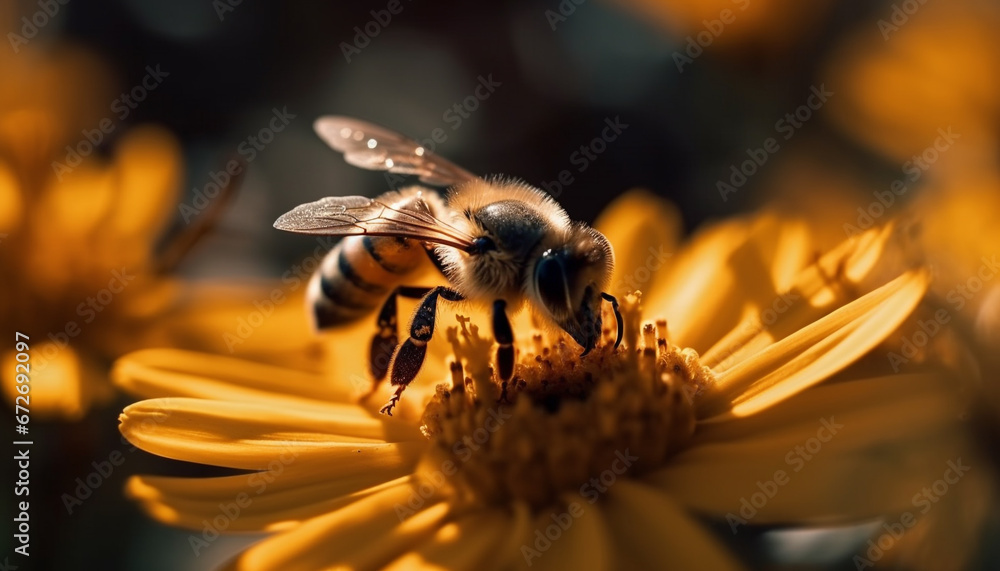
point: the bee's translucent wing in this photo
(375, 148)
(357, 215)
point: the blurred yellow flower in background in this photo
(78, 263)
(735, 27)
(916, 73)
(794, 384)
(686, 420)
(960, 237)
(918, 87)
(79, 239)
(920, 92)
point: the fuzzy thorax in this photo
(563, 419)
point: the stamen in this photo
(649, 336)
(661, 330)
(562, 419)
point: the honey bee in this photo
(496, 241)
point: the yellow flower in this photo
(962, 240)
(78, 235)
(603, 461)
(923, 87)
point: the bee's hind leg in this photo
(410, 355)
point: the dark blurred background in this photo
(556, 87)
(559, 71)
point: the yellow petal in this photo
(814, 291)
(786, 250)
(77, 207)
(653, 532)
(366, 534)
(226, 319)
(644, 231)
(467, 543)
(728, 270)
(273, 500)
(815, 352)
(247, 421)
(171, 372)
(78, 203)
(520, 532)
(148, 169)
(250, 435)
(846, 451)
(950, 535)
(937, 73)
(697, 283)
(573, 536)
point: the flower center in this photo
(563, 419)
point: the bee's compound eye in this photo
(483, 244)
(550, 279)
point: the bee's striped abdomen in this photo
(358, 274)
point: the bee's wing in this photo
(357, 215)
(375, 148)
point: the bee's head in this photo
(568, 281)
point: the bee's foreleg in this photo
(504, 335)
(410, 355)
(618, 316)
(386, 338)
